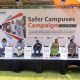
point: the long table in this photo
(37, 64)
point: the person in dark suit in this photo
(37, 47)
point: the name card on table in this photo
(63, 52)
(27, 52)
(46, 52)
(8, 52)
(79, 53)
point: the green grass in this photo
(46, 75)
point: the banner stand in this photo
(8, 52)
(63, 52)
(78, 53)
(27, 52)
(46, 52)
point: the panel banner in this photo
(42, 24)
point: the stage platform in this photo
(37, 64)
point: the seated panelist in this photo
(37, 47)
(72, 48)
(20, 47)
(3, 44)
(55, 47)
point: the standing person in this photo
(19, 2)
(72, 48)
(23, 21)
(55, 48)
(8, 29)
(3, 44)
(12, 26)
(19, 29)
(20, 47)
(37, 47)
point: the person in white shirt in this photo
(3, 44)
(20, 47)
(13, 28)
(19, 29)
